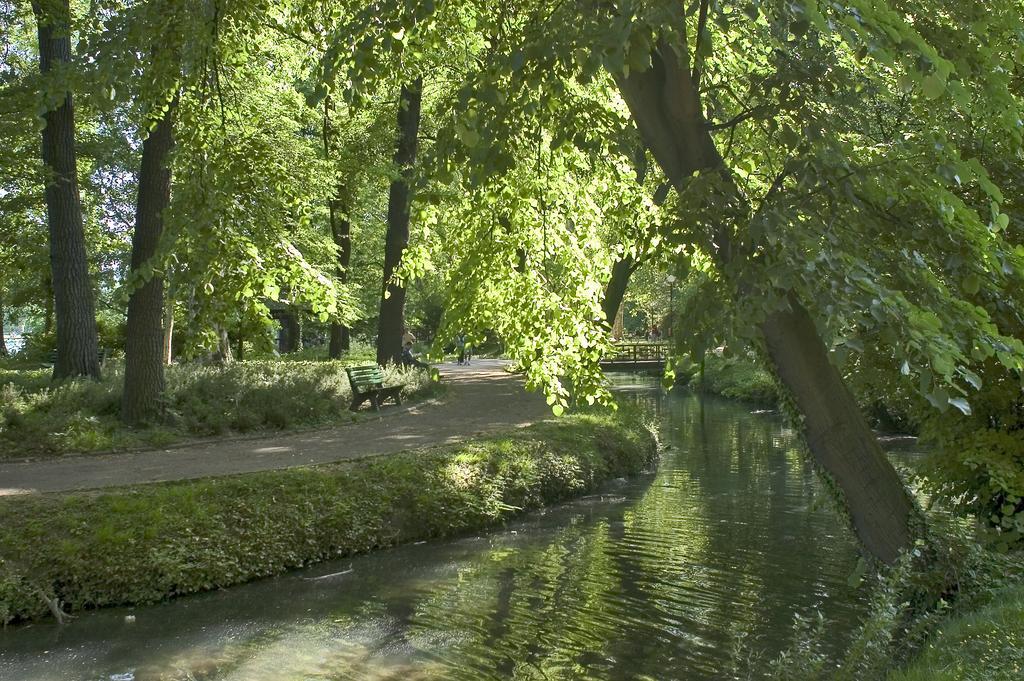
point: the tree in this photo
(392, 301)
(144, 338)
(3, 341)
(782, 132)
(339, 207)
(666, 105)
(77, 341)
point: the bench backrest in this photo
(368, 376)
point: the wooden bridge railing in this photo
(639, 352)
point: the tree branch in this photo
(702, 24)
(735, 120)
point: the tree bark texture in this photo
(77, 341)
(341, 230)
(144, 335)
(291, 333)
(665, 104)
(615, 290)
(223, 354)
(3, 340)
(392, 301)
(168, 349)
(48, 307)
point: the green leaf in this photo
(933, 86)
(557, 410)
(857, 576)
(961, 404)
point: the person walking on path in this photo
(465, 349)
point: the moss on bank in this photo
(984, 645)
(146, 543)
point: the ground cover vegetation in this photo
(835, 186)
(200, 401)
(148, 543)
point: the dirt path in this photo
(481, 398)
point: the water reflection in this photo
(684, 573)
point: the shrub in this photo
(739, 378)
(977, 461)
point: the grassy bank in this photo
(146, 543)
(39, 418)
(984, 645)
(736, 378)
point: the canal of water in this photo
(693, 571)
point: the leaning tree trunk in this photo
(615, 290)
(341, 230)
(144, 336)
(665, 104)
(392, 301)
(77, 342)
(3, 341)
(837, 433)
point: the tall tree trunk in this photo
(615, 290)
(77, 342)
(223, 354)
(144, 336)
(665, 103)
(291, 333)
(168, 349)
(48, 306)
(392, 301)
(341, 230)
(3, 340)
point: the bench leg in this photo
(358, 399)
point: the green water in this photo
(694, 571)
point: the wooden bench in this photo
(368, 384)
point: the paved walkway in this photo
(481, 398)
